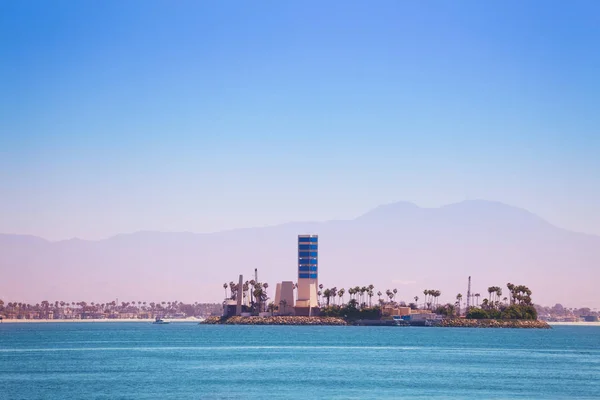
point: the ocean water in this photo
(190, 361)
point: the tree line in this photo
(110, 309)
(332, 301)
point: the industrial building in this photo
(307, 301)
(284, 297)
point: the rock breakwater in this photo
(493, 323)
(275, 320)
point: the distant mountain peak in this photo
(399, 207)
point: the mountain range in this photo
(399, 245)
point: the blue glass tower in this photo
(308, 256)
(308, 271)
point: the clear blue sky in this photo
(199, 116)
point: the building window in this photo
(307, 254)
(307, 268)
(308, 240)
(307, 276)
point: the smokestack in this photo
(240, 294)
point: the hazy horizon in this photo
(404, 247)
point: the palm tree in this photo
(477, 295)
(522, 294)
(511, 289)
(363, 290)
(395, 291)
(379, 295)
(491, 290)
(498, 293)
(259, 295)
(459, 300)
(327, 294)
(283, 304)
(341, 295)
(434, 296)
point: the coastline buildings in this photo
(308, 272)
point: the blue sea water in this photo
(189, 361)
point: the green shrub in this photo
(477, 313)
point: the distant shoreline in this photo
(574, 323)
(195, 320)
(87, 321)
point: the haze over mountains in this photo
(398, 246)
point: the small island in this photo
(515, 311)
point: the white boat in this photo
(160, 321)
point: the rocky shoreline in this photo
(447, 323)
(493, 323)
(275, 320)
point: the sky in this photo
(117, 117)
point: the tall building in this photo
(308, 270)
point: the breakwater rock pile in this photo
(275, 320)
(493, 323)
